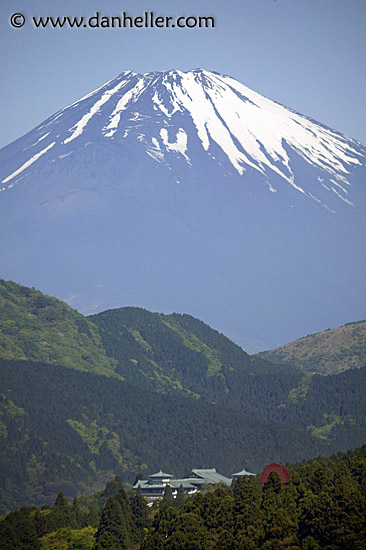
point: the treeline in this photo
(323, 507)
(108, 519)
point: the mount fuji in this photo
(189, 192)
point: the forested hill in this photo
(178, 353)
(165, 353)
(328, 352)
(323, 506)
(61, 429)
(182, 355)
(37, 327)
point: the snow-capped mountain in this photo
(189, 192)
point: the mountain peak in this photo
(188, 191)
(170, 113)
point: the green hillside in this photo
(331, 351)
(157, 391)
(40, 328)
(180, 354)
(61, 429)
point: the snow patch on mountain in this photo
(38, 140)
(29, 162)
(194, 114)
(179, 145)
(272, 124)
(129, 97)
(81, 124)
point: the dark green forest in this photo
(323, 507)
(180, 354)
(127, 390)
(64, 430)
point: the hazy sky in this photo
(307, 54)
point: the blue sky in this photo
(307, 54)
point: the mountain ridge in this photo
(180, 355)
(327, 352)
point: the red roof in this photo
(279, 469)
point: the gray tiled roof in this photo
(243, 473)
(161, 474)
(197, 479)
(211, 476)
(184, 482)
(140, 483)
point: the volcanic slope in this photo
(189, 192)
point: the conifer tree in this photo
(318, 478)
(111, 533)
(273, 484)
(247, 506)
(77, 518)
(164, 520)
(112, 487)
(140, 516)
(40, 523)
(180, 498)
(60, 513)
(168, 498)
